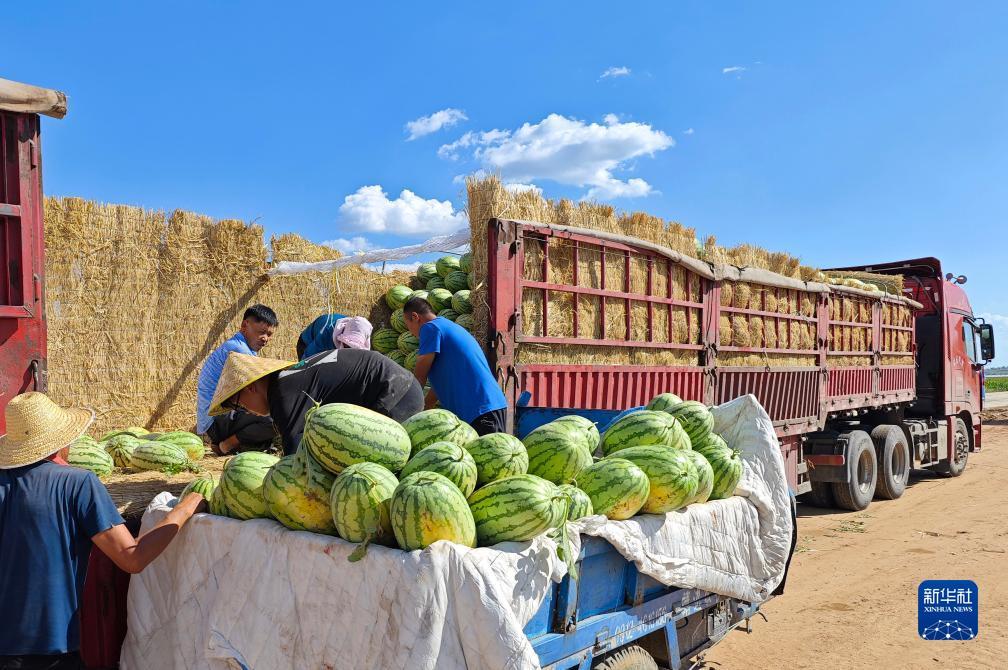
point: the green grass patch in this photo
(995, 384)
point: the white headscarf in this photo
(352, 332)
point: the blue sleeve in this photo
(95, 510)
(430, 340)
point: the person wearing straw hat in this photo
(50, 514)
(285, 391)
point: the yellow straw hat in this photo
(37, 428)
(240, 370)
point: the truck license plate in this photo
(718, 619)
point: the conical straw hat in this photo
(37, 428)
(240, 370)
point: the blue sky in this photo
(850, 132)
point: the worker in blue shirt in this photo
(50, 514)
(459, 374)
(317, 336)
(236, 430)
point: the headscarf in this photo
(318, 336)
(352, 332)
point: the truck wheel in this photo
(960, 452)
(856, 493)
(628, 658)
(821, 495)
(893, 456)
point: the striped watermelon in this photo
(190, 442)
(397, 296)
(397, 356)
(296, 491)
(672, 477)
(498, 455)
(340, 434)
(398, 321)
(427, 271)
(727, 467)
(584, 427)
(121, 447)
(558, 451)
(449, 314)
(410, 361)
(695, 418)
(427, 507)
(359, 503)
(705, 476)
(435, 282)
(439, 299)
(579, 504)
(241, 484)
(437, 425)
(466, 321)
(203, 485)
(516, 509)
(216, 502)
(708, 442)
(465, 262)
(408, 342)
(461, 301)
(90, 456)
(617, 487)
(663, 402)
(457, 281)
(385, 340)
(448, 459)
(446, 265)
(644, 427)
(419, 294)
(159, 456)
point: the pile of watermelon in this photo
(137, 448)
(445, 285)
(368, 479)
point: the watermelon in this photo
(579, 504)
(152, 455)
(437, 425)
(434, 282)
(359, 503)
(586, 428)
(471, 280)
(644, 427)
(216, 502)
(516, 509)
(397, 356)
(616, 487)
(709, 442)
(427, 271)
(465, 262)
(461, 302)
(410, 361)
(446, 265)
(397, 296)
(727, 467)
(449, 314)
(190, 442)
(241, 484)
(203, 485)
(498, 455)
(662, 402)
(448, 459)
(705, 476)
(672, 478)
(427, 507)
(398, 321)
(408, 342)
(296, 491)
(457, 281)
(340, 434)
(466, 321)
(439, 299)
(695, 418)
(121, 447)
(557, 452)
(385, 340)
(420, 294)
(90, 456)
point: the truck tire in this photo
(821, 495)
(628, 658)
(857, 493)
(893, 457)
(960, 452)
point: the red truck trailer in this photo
(852, 420)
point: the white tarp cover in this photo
(253, 593)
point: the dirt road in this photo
(851, 597)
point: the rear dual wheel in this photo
(857, 492)
(893, 457)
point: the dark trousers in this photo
(68, 661)
(254, 432)
(490, 422)
(410, 404)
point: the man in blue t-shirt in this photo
(50, 514)
(459, 375)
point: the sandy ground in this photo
(851, 596)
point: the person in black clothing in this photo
(286, 391)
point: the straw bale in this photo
(561, 261)
(892, 284)
(589, 267)
(740, 294)
(724, 331)
(770, 301)
(602, 355)
(727, 293)
(660, 319)
(757, 335)
(740, 331)
(897, 359)
(638, 322)
(679, 283)
(742, 359)
(796, 335)
(615, 319)
(590, 317)
(535, 252)
(783, 339)
(561, 314)
(682, 333)
(532, 312)
(770, 333)
(807, 304)
(847, 309)
(848, 361)
(834, 307)
(661, 277)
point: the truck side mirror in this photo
(987, 342)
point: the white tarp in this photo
(256, 594)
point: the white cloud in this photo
(733, 68)
(621, 71)
(567, 151)
(426, 125)
(371, 210)
(688, 131)
(350, 246)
